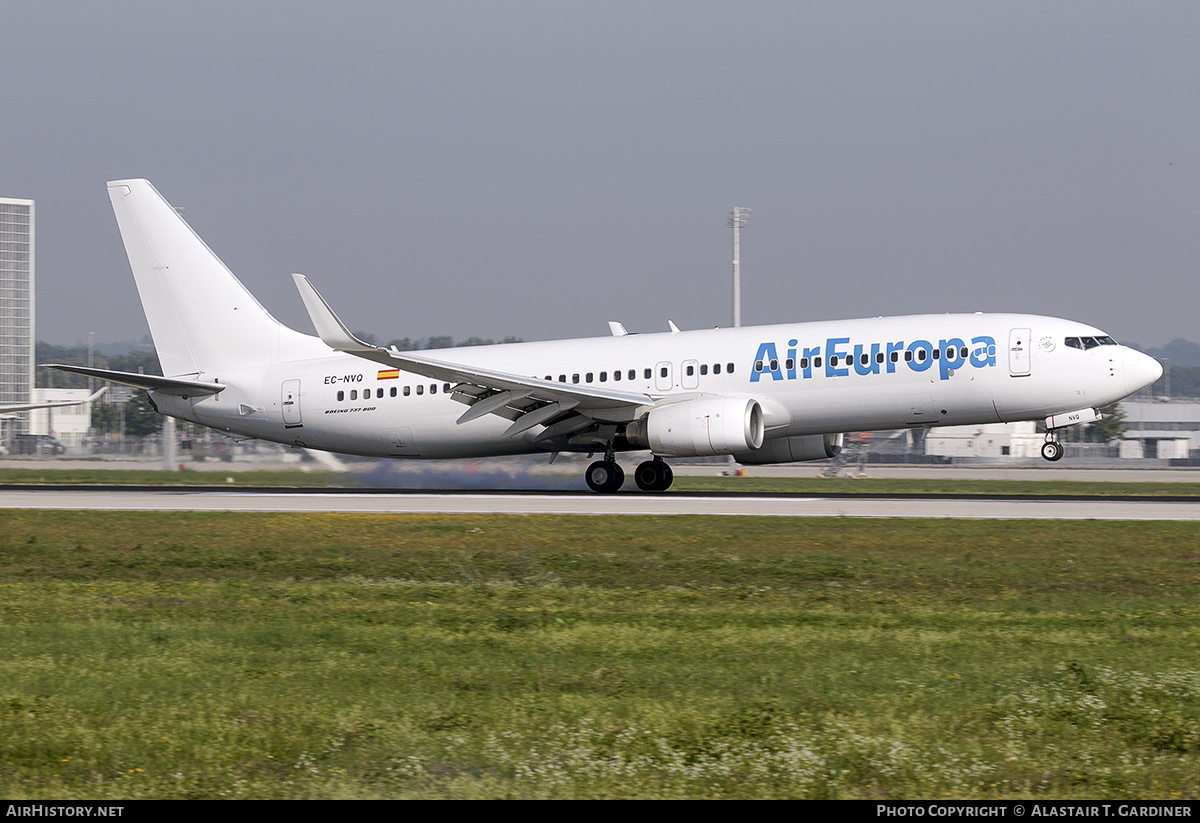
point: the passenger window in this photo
(804, 362)
(937, 353)
(866, 358)
(816, 363)
(354, 394)
(616, 375)
(446, 388)
(758, 364)
(433, 388)
(878, 357)
(895, 357)
(789, 364)
(648, 373)
(341, 396)
(729, 368)
(962, 353)
(703, 369)
(589, 377)
(716, 368)
(663, 371)
(575, 378)
(407, 391)
(420, 389)
(691, 370)
(562, 378)
(378, 393)
(833, 361)
(920, 355)
(603, 377)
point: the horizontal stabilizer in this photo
(53, 404)
(177, 386)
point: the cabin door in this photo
(1018, 352)
(290, 401)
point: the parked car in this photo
(36, 444)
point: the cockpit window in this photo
(1089, 342)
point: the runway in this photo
(746, 505)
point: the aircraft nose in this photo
(1140, 370)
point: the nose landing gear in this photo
(1052, 450)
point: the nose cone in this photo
(1140, 370)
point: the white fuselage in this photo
(810, 378)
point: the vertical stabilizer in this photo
(201, 317)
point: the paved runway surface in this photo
(592, 504)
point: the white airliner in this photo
(767, 394)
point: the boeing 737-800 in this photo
(767, 394)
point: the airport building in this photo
(16, 308)
(1167, 430)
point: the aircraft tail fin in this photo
(201, 317)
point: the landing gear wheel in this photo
(604, 476)
(653, 476)
(1052, 450)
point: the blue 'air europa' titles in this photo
(837, 358)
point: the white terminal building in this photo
(1154, 429)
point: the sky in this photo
(535, 169)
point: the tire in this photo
(604, 477)
(653, 476)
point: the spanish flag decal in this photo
(388, 374)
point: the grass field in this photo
(326, 656)
(744, 485)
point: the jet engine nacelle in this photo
(794, 449)
(697, 428)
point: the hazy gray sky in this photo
(539, 168)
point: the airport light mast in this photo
(737, 220)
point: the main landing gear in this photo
(606, 476)
(1052, 450)
(653, 476)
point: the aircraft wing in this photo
(528, 401)
(179, 386)
(52, 404)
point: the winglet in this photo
(329, 326)
(617, 329)
(674, 328)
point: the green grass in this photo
(295, 656)
(154, 477)
(932, 485)
(745, 485)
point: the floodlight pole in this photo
(738, 218)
